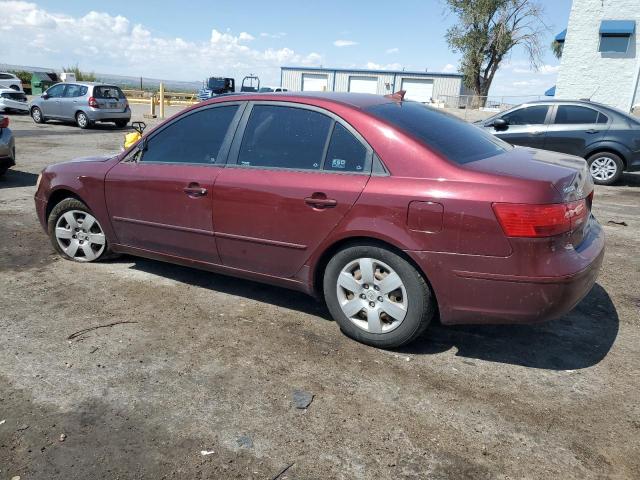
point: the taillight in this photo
(525, 220)
(93, 102)
(4, 123)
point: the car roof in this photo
(354, 100)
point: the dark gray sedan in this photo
(607, 138)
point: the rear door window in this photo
(574, 114)
(73, 91)
(194, 138)
(345, 153)
(284, 137)
(534, 115)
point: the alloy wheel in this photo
(80, 236)
(82, 120)
(603, 168)
(36, 114)
(372, 295)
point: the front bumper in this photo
(504, 290)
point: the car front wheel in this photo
(75, 233)
(377, 297)
(605, 168)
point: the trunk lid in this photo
(568, 175)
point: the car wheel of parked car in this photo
(377, 297)
(121, 123)
(3, 169)
(37, 116)
(75, 233)
(82, 120)
(605, 168)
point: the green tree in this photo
(487, 30)
(80, 75)
(556, 48)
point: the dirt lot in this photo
(211, 363)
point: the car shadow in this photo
(16, 178)
(578, 340)
(629, 180)
(248, 289)
(47, 132)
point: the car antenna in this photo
(594, 92)
(398, 96)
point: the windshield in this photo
(108, 92)
(454, 138)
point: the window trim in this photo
(224, 147)
(557, 106)
(234, 153)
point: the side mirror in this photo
(45, 95)
(500, 124)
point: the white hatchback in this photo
(12, 100)
(9, 80)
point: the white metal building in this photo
(601, 53)
(426, 87)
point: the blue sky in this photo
(189, 40)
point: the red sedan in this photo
(392, 211)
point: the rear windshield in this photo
(104, 91)
(19, 96)
(454, 138)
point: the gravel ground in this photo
(209, 363)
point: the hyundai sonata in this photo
(391, 211)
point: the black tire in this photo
(421, 304)
(3, 169)
(121, 123)
(82, 120)
(37, 116)
(59, 210)
(618, 162)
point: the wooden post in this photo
(161, 100)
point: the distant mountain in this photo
(121, 80)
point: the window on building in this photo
(615, 35)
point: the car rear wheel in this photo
(121, 123)
(605, 168)
(75, 232)
(37, 116)
(82, 120)
(377, 297)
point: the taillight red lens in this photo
(4, 123)
(525, 220)
(93, 102)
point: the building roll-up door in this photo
(363, 84)
(314, 82)
(420, 90)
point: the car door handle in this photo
(195, 190)
(319, 202)
(592, 131)
(537, 132)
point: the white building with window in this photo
(600, 57)
(425, 87)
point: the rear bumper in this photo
(496, 295)
(97, 115)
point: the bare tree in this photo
(487, 30)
